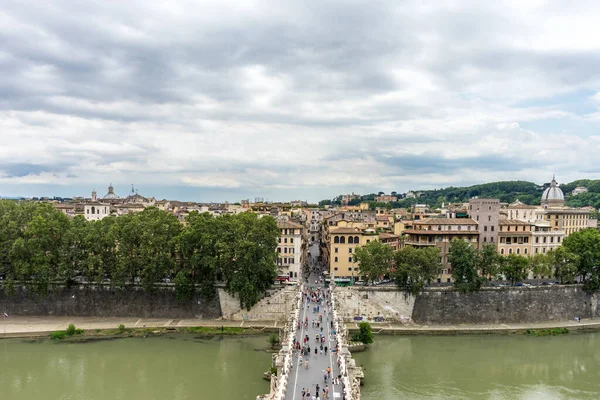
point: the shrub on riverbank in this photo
(70, 331)
(364, 335)
(547, 332)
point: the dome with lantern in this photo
(553, 196)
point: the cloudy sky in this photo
(228, 99)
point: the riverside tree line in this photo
(41, 247)
(412, 268)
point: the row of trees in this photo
(412, 268)
(578, 257)
(40, 246)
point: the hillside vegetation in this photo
(507, 191)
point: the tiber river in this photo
(184, 367)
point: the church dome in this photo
(553, 194)
(111, 194)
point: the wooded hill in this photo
(506, 191)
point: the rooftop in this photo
(447, 221)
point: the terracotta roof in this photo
(447, 221)
(288, 224)
(344, 229)
(512, 222)
(386, 235)
(434, 232)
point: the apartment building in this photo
(515, 237)
(440, 232)
(486, 213)
(290, 249)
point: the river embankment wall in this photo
(383, 304)
(103, 301)
(441, 306)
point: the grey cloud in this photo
(23, 169)
(338, 62)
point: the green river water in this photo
(230, 368)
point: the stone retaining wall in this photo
(102, 301)
(505, 305)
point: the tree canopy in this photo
(40, 246)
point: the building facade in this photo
(515, 237)
(486, 212)
(440, 232)
(289, 249)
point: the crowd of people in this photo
(310, 347)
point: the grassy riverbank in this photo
(74, 334)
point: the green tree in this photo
(37, 255)
(515, 268)
(463, 259)
(585, 245)
(74, 250)
(246, 255)
(488, 261)
(542, 264)
(375, 259)
(364, 334)
(413, 267)
(563, 264)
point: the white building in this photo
(289, 249)
(579, 189)
(95, 211)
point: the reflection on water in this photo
(482, 367)
(132, 369)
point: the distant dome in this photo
(111, 194)
(553, 194)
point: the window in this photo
(335, 250)
(284, 240)
(285, 261)
(349, 269)
(279, 249)
(492, 228)
(342, 239)
(501, 251)
(525, 251)
(478, 218)
(350, 250)
(349, 259)
(285, 249)
(356, 239)
(279, 240)
(518, 251)
(489, 218)
(336, 239)
(485, 228)
(484, 239)
(350, 240)
(291, 250)
(537, 240)
(291, 240)
(335, 269)
(509, 251)
(335, 259)
(291, 260)
(368, 241)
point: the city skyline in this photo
(218, 101)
